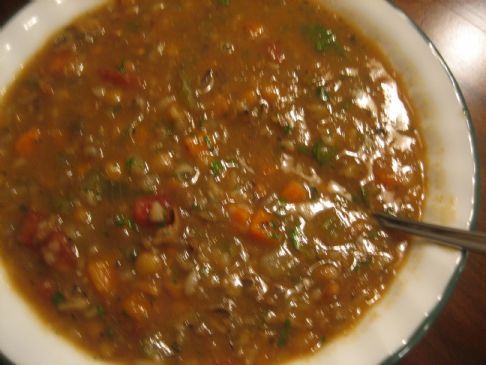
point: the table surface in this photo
(458, 29)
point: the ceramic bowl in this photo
(429, 274)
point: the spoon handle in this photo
(474, 241)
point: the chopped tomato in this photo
(46, 288)
(116, 78)
(59, 252)
(58, 62)
(26, 143)
(28, 229)
(152, 210)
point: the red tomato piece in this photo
(59, 252)
(46, 288)
(116, 78)
(28, 228)
(152, 210)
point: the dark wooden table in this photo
(458, 29)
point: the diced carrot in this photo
(116, 78)
(101, 272)
(260, 227)
(59, 61)
(198, 147)
(25, 144)
(384, 174)
(240, 216)
(295, 192)
(136, 306)
(195, 144)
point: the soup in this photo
(193, 181)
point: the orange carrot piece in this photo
(260, 227)
(198, 148)
(195, 144)
(59, 61)
(384, 174)
(136, 306)
(101, 272)
(25, 144)
(295, 192)
(240, 216)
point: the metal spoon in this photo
(453, 237)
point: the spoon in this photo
(452, 237)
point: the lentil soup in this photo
(192, 182)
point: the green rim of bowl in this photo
(425, 325)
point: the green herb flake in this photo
(217, 167)
(100, 311)
(132, 255)
(187, 90)
(121, 66)
(297, 237)
(121, 220)
(135, 165)
(304, 149)
(362, 197)
(362, 264)
(323, 39)
(287, 129)
(322, 153)
(132, 26)
(322, 93)
(284, 333)
(58, 298)
(208, 142)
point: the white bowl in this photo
(426, 280)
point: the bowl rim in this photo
(424, 326)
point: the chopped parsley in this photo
(58, 298)
(322, 153)
(284, 333)
(323, 39)
(217, 167)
